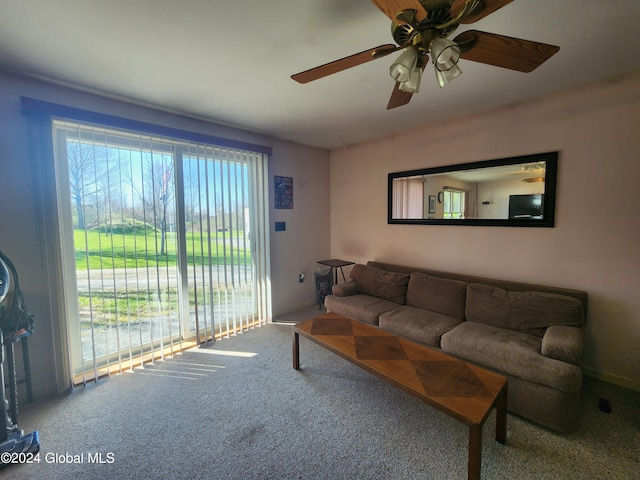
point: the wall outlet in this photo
(301, 277)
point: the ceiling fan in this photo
(420, 28)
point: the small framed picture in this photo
(432, 204)
(283, 192)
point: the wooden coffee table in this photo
(463, 391)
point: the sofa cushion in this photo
(563, 343)
(511, 352)
(345, 289)
(530, 311)
(380, 283)
(440, 295)
(365, 308)
(417, 324)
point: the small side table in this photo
(336, 264)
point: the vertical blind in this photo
(165, 244)
(408, 197)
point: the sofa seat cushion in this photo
(525, 311)
(440, 295)
(417, 324)
(373, 281)
(511, 352)
(365, 308)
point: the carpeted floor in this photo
(238, 410)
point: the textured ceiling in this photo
(231, 61)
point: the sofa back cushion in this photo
(380, 283)
(440, 295)
(527, 311)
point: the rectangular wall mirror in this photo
(516, 191)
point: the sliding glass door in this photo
(163, 244)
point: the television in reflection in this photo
(526, 206)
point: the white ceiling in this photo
(231, 61)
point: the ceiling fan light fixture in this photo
(403, 67)
(446, 76)
(445, 55)
(413, 84)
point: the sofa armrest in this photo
(563, 343)
(345, 289)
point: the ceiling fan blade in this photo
(490, 6)
(392, 7)
(398, 97)
(344, 63)
(501, 51)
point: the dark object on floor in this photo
(604, 405)
(16, 323)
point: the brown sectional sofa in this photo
(532, 334)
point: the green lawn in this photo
(131, 250)
(103, 308)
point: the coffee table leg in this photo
(475, 452)
(501, 416)
(296, 351)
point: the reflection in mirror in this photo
(516, 191)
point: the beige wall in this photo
(306, 238)
(595, 245)
(305, 241)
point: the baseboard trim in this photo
(37, 391)
(629, 383)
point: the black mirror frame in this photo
(549, 207)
